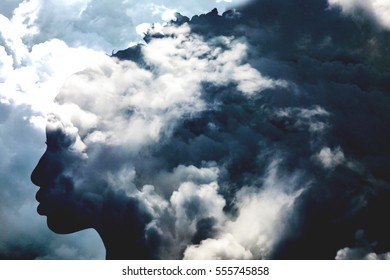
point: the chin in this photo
(65, 226)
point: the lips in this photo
(41, 198)
(41, 209)
(40, 195)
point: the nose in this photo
(38, 174)
(47, 169)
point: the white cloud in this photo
(251, 81)
(313, 119)
(143, 28)
(11, 41)
(378, 9)
(260, 221)
(33, 75)
(45, 42)
(99, 24)
(111, 103)
(236, 2)
(251, 234)
(360, 253)
(6, 66)
(121, 106)
(223, 248)
(192, 202)
(112, 98)
(331, 158)
(167, 14)
(170, 181)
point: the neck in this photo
(122, 229)
(124, 246)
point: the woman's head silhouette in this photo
(84, 152)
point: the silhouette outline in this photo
(117, 219)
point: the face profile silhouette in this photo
(76, 171)
(117, 218)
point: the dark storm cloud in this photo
(258, 133)
(329, 124)
(32, 74)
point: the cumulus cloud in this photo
(224, 248)
(360, 254)
(176, 109)
(148, 103)
(259, 223)
(379, 10)
(191, 203)
(41, 44)
(329, 158)
(243, 134)
(363, 250)
(102, 25)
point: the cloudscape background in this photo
(262, 132)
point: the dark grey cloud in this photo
(38, 52)
(328, 124)
(258, 133)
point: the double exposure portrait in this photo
(207, 130)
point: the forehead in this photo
(100, 102)
(116, 102)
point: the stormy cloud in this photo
(38, 51)
(256, 133)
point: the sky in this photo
(260, 132)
